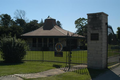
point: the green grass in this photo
(26, 67)
(77, 56)
(65, 76)
(35, 66)
(113, 51)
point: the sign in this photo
(58, 54)
(58, 47)
(94, 36)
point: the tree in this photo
(118, 33)
(59, 24)
(41, 23)
(16, 31)
(81, 25)
(20, 14)
(32, 25)
(5, 20)
(13, 50)
(4, 31)
(20, 22)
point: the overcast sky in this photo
(66, 11)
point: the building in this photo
(45, 37)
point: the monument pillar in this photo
(97, 40)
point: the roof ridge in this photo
(59, 30)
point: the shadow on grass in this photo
(2, 63)
(91, 72)
(98, 74)
(56, 65)
(108, 75)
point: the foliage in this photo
(12, 31)
(5, 19)
(13, 50)
(16, 31)
(20, 14)
(81, 25)
(118, 33)
(112, 39)
(59, 24)
(20, 22)
(32, 25)
(4, 31)
(41, 23)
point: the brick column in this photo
(97, 40)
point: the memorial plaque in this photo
(94, 36)
(58, 54)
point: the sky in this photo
(66, 11)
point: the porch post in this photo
(53, 43)
(42, 42)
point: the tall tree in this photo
(4, 31)
(81, 25)
(19, 14)
(16, 31)
(41, 23)
(59, 24)
(118, 33)
(20, 22)
(32, 25)
(5, 20)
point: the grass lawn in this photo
(113, 51)
(77, 56)
(33, 67)
(65, 76)
(26, 67)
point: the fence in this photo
(113, 48)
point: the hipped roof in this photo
(54, 32)
(50, 29)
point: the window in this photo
(34, 42)
(39, 42)
(45, 41)
(56, 40)
(50, 42)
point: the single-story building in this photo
(46, 37)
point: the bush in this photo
(13, 50)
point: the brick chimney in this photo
(49, 23)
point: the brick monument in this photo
(97, 40)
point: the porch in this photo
(48, 44)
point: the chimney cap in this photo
(49, 17)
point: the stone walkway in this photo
(41, 74)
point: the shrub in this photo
(13, 50)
